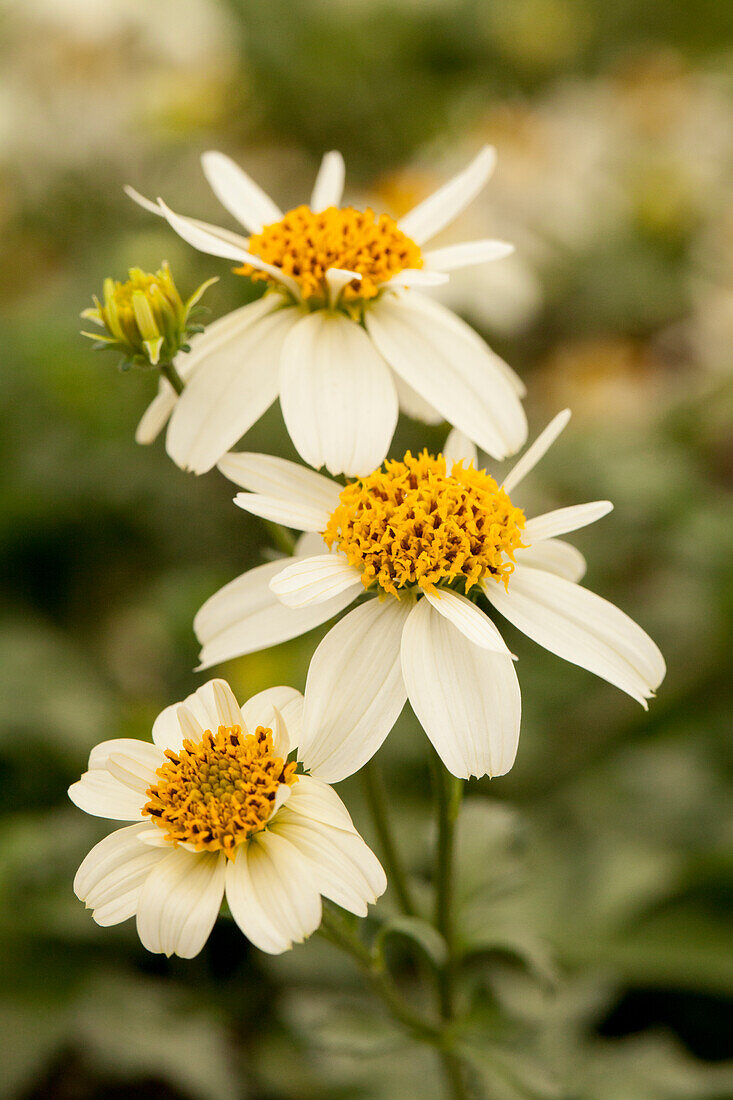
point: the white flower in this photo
(218, 810)
(417, 532)
(343, 337)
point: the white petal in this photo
(582, 627)
(554, 556)
(314, 580)
(463, 255)
(222, 329)
(336, 279)
(416, 276)
(476, 626)
(149, 756)
(235, 239)
(147, 204)
(230, 391)
(448, 364)
(138, 777)
(155, 417)
(109, 880)
(337, 395)
(315, 800)
(260, 710)
(414, 405)
(210, 706)
(445, 204)
(245, 615)
(209, 240)
(202, 346)
(282, 795)
(180, 902)
(467, 699)
(154, 836)
(220, 339)
(281, 479)
(536, 450)
(100, 794)
(563, 520)
(512, 378)
(300, 516)
(344, 869)
(238, 194)
(354, 691)
(329, 186)
(214, 243)
(246, 907)
(225, 703)
(167, 732)
(458, 447)
(271, 893)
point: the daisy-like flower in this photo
(218, 809)
(343, 336)
(428, 537)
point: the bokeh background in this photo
(596, 878)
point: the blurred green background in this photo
(596, 878)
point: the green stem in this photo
(338, 933)
(169, 371)
(376, 797)
(453, 1073)
(448, 793)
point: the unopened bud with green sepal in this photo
(145, 318)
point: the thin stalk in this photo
(169, 371)
(453, 1074)
(376, 797)
(338, 933)
(448, 793)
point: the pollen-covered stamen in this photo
(305, 245)
(412, 523)
(215, 793)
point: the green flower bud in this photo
(145, 318)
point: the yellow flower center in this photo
(412, 523)
(140, 282)
(215, 793)
(305, 245)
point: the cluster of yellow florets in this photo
(305, 245)
(412, 523)
(145, 317)
(215, 793)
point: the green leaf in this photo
(519, 943)
(418, 932)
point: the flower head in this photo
(440, 550)
(145, 317)
(216, 793)
(219, 809)
(414, 523)
(305, 246)
(343, 335)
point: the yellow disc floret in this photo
(305, 245)
(215, 793)
(412, 523)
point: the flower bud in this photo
(144, 318)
